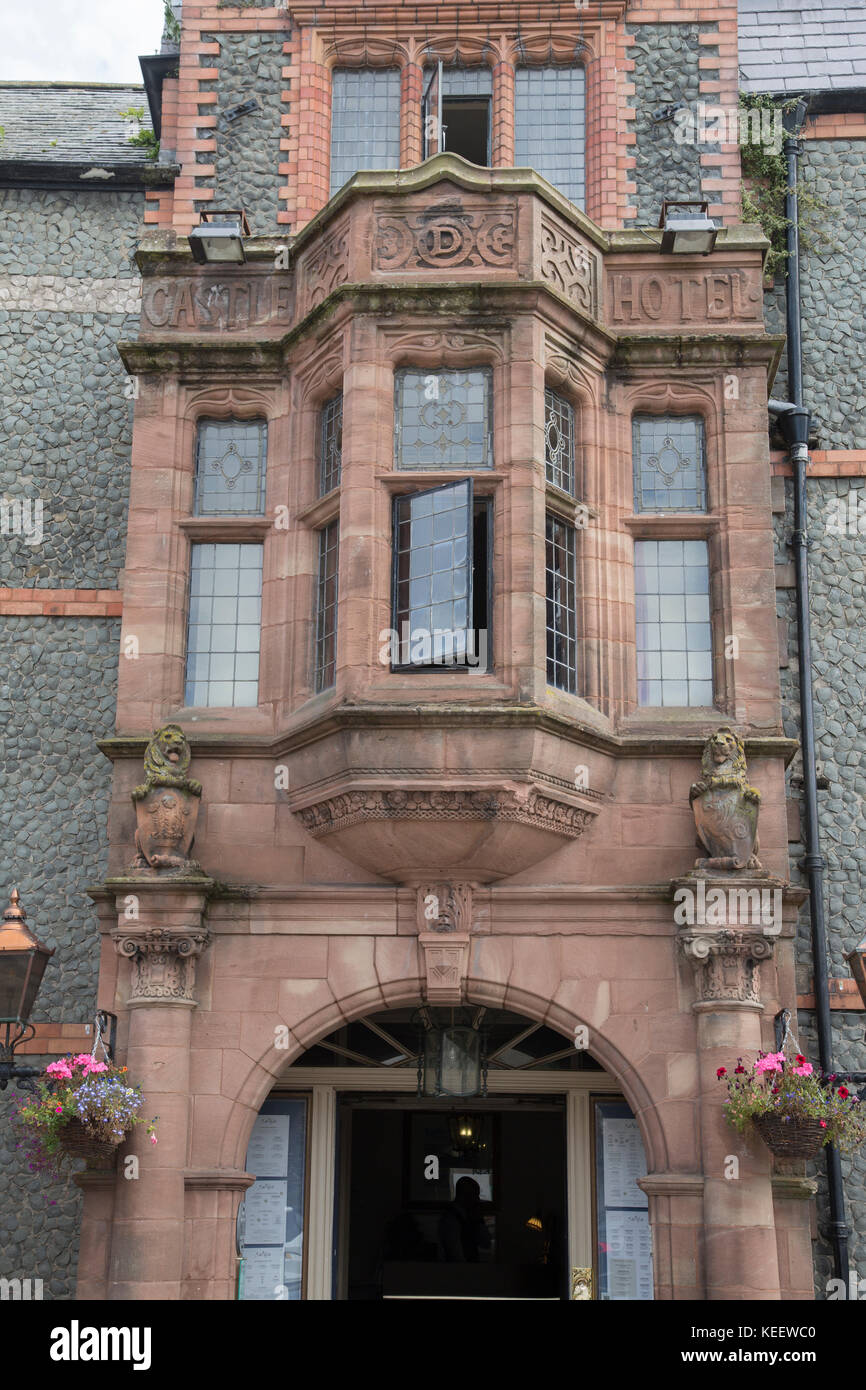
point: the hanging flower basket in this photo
(82, 1110)
(793, 1107)
(78, 1142)
(802, 1138)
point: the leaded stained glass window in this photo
(331, 445)
(225, 610)
(559, 441)
(443, 419)
(674, 635)
(365, 122)
(669, 463)
(561, 604)
(549, 126)
(231, 466)
(326, 606)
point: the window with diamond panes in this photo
(670, 473)
(561, 604)
(559, 441)
(326, 606)
(331, 445)
(365, 121)
(443, 419)
(231, 466)
(674, 636)
(225, 611)
(549, 126)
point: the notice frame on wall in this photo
(624, 1238)
(271, 1215)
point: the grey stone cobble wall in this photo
(247, 154)
(65, 426)
(58, 683)
(57, 697)
(39, 1221)
(837, 557)
(834, 314)
(666, 72)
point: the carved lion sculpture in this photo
(725, 806)
(166, 806)
(166, 762)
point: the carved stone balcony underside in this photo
(410, 832)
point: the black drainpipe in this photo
(794, 424)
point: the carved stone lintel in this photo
(444, 907)
(163, 963)
(445, 962)
(446, 237)
(355, 807)
(726, 966)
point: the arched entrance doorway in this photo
(384, 1172)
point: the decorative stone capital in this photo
(444, 907)
(445, 963)
(726, 967)
(163, 963)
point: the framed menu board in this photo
(271, 1215)
(625, 1270)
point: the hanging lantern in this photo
(450, 1060)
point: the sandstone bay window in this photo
(365, 121)
(550, 126)
(672, 575)
(225, 579)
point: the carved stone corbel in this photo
(444, 924)
(163, 963)
(726, 967)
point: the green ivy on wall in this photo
(765, 185)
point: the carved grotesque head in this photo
(168, 751)
(723, 755)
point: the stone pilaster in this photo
(160, 930)
(739, 1236)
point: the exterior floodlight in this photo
(220, 238)
(687, 232)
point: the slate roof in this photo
(789, 46)
(62, 123)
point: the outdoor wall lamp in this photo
(451, 1062)
(22, 964)
(687, 233)
(220, 238)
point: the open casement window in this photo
(456, 113)
(431, 112)
(442, 588)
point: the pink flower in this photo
(769, 1063)
(823, 1124)
(59, 1069)
(804, 1070)
(153, 1139)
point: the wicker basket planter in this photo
(791, 1138)
(77, 1142)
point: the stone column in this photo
(740, 1256)
(162, 939)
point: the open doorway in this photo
(461, 1201)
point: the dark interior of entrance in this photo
(466, 128)
(455, 1202)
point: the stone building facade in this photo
(383, 845)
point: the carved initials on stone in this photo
(569, 267)
(445, 238)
